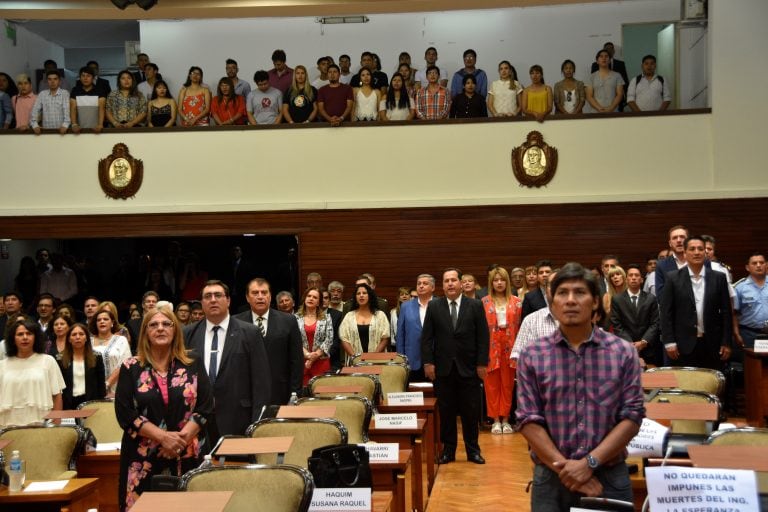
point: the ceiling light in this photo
(335, 20)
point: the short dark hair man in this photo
(648, 91)
(579, 400)
(45, 303)
(280, 76)
(635, 317)
(282, 340)
(675, 261)
(242, 87)
(235, 359)
(695, 312)
(13, 302)
(751, 303)
(455, 345)
(535, 300)
(379, 79)
(409, 325)
(335, 100)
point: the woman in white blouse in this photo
(503, 95)
(397, 106)
(30, 380)
(113, 348)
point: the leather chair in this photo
(307, 433)
(354, 412)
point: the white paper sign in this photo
(761, 346)
(412, 398)
(677, 488)
(649, 441)
(382, 452)
(50, 485)
(405, 420)
(347, 499)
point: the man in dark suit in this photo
(237, 275)
(535, 299)
(236, 361)
(148, 301)
(676, 261)
(142, 60)
(695, 312)
(454, 340)
(282, 341)
(635, 317)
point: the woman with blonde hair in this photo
(503, 95)
(163, 402)
(617, 284)
(403, 296)
(299, 101)
(503, 312)
(316, 334)
(531, 281)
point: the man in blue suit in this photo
(409, 323)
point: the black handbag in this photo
(340, 465)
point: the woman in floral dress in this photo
(163, 402)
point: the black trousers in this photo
(458, 396)
(705, 354)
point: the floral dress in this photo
(139, 400)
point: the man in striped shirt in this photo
(579, 401)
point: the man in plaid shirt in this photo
(580, 401)
(432, 101)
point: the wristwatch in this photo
(592, 462)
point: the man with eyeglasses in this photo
(236, 361)
(183, 313)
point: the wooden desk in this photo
(199, 501)
(381, 501)
(106, 467)
(337, 390)
(428, 411)
(425, 387)
(390, 477)
(756, 387)
(294, 411)
(681, 411)
(658, 380)
(380, 356)
(407, 438)
(78, 495)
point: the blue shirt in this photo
(751, 302)
(481, 81)
(6, 112)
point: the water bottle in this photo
(294, 399)
(16, 472)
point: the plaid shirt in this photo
(579, 396)
(432, 105)
(54, 109)
(536, 325)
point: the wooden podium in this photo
(756, 386)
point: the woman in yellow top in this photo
(537, 97)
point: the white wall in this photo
(524, 36)
(28, 54)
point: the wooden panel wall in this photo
(398, 244)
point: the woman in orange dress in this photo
(194, 100)
(502, 311)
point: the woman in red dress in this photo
(316, 334)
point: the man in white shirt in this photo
(648, 92)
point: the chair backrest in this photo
(393, 377)
(370, 384)
(308, 434)
(103, 423)
(256, 488)
(695, 379)
(746, 436)
(686, 397)
(49, 451)
(354, 412)
(386, 357)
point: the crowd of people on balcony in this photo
(333, 94)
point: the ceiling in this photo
(98, 23)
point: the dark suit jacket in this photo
(286, 357)
(678, 310)
(467, 344)
(533, 301)
(664, 267)
(243, 382)
(95, 387)
(335, 355)
(635, 324)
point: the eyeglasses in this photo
(156, 325)
(214, 295)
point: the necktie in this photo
(260, 325)
(454, 313)
(214, 354)
(634, 301)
